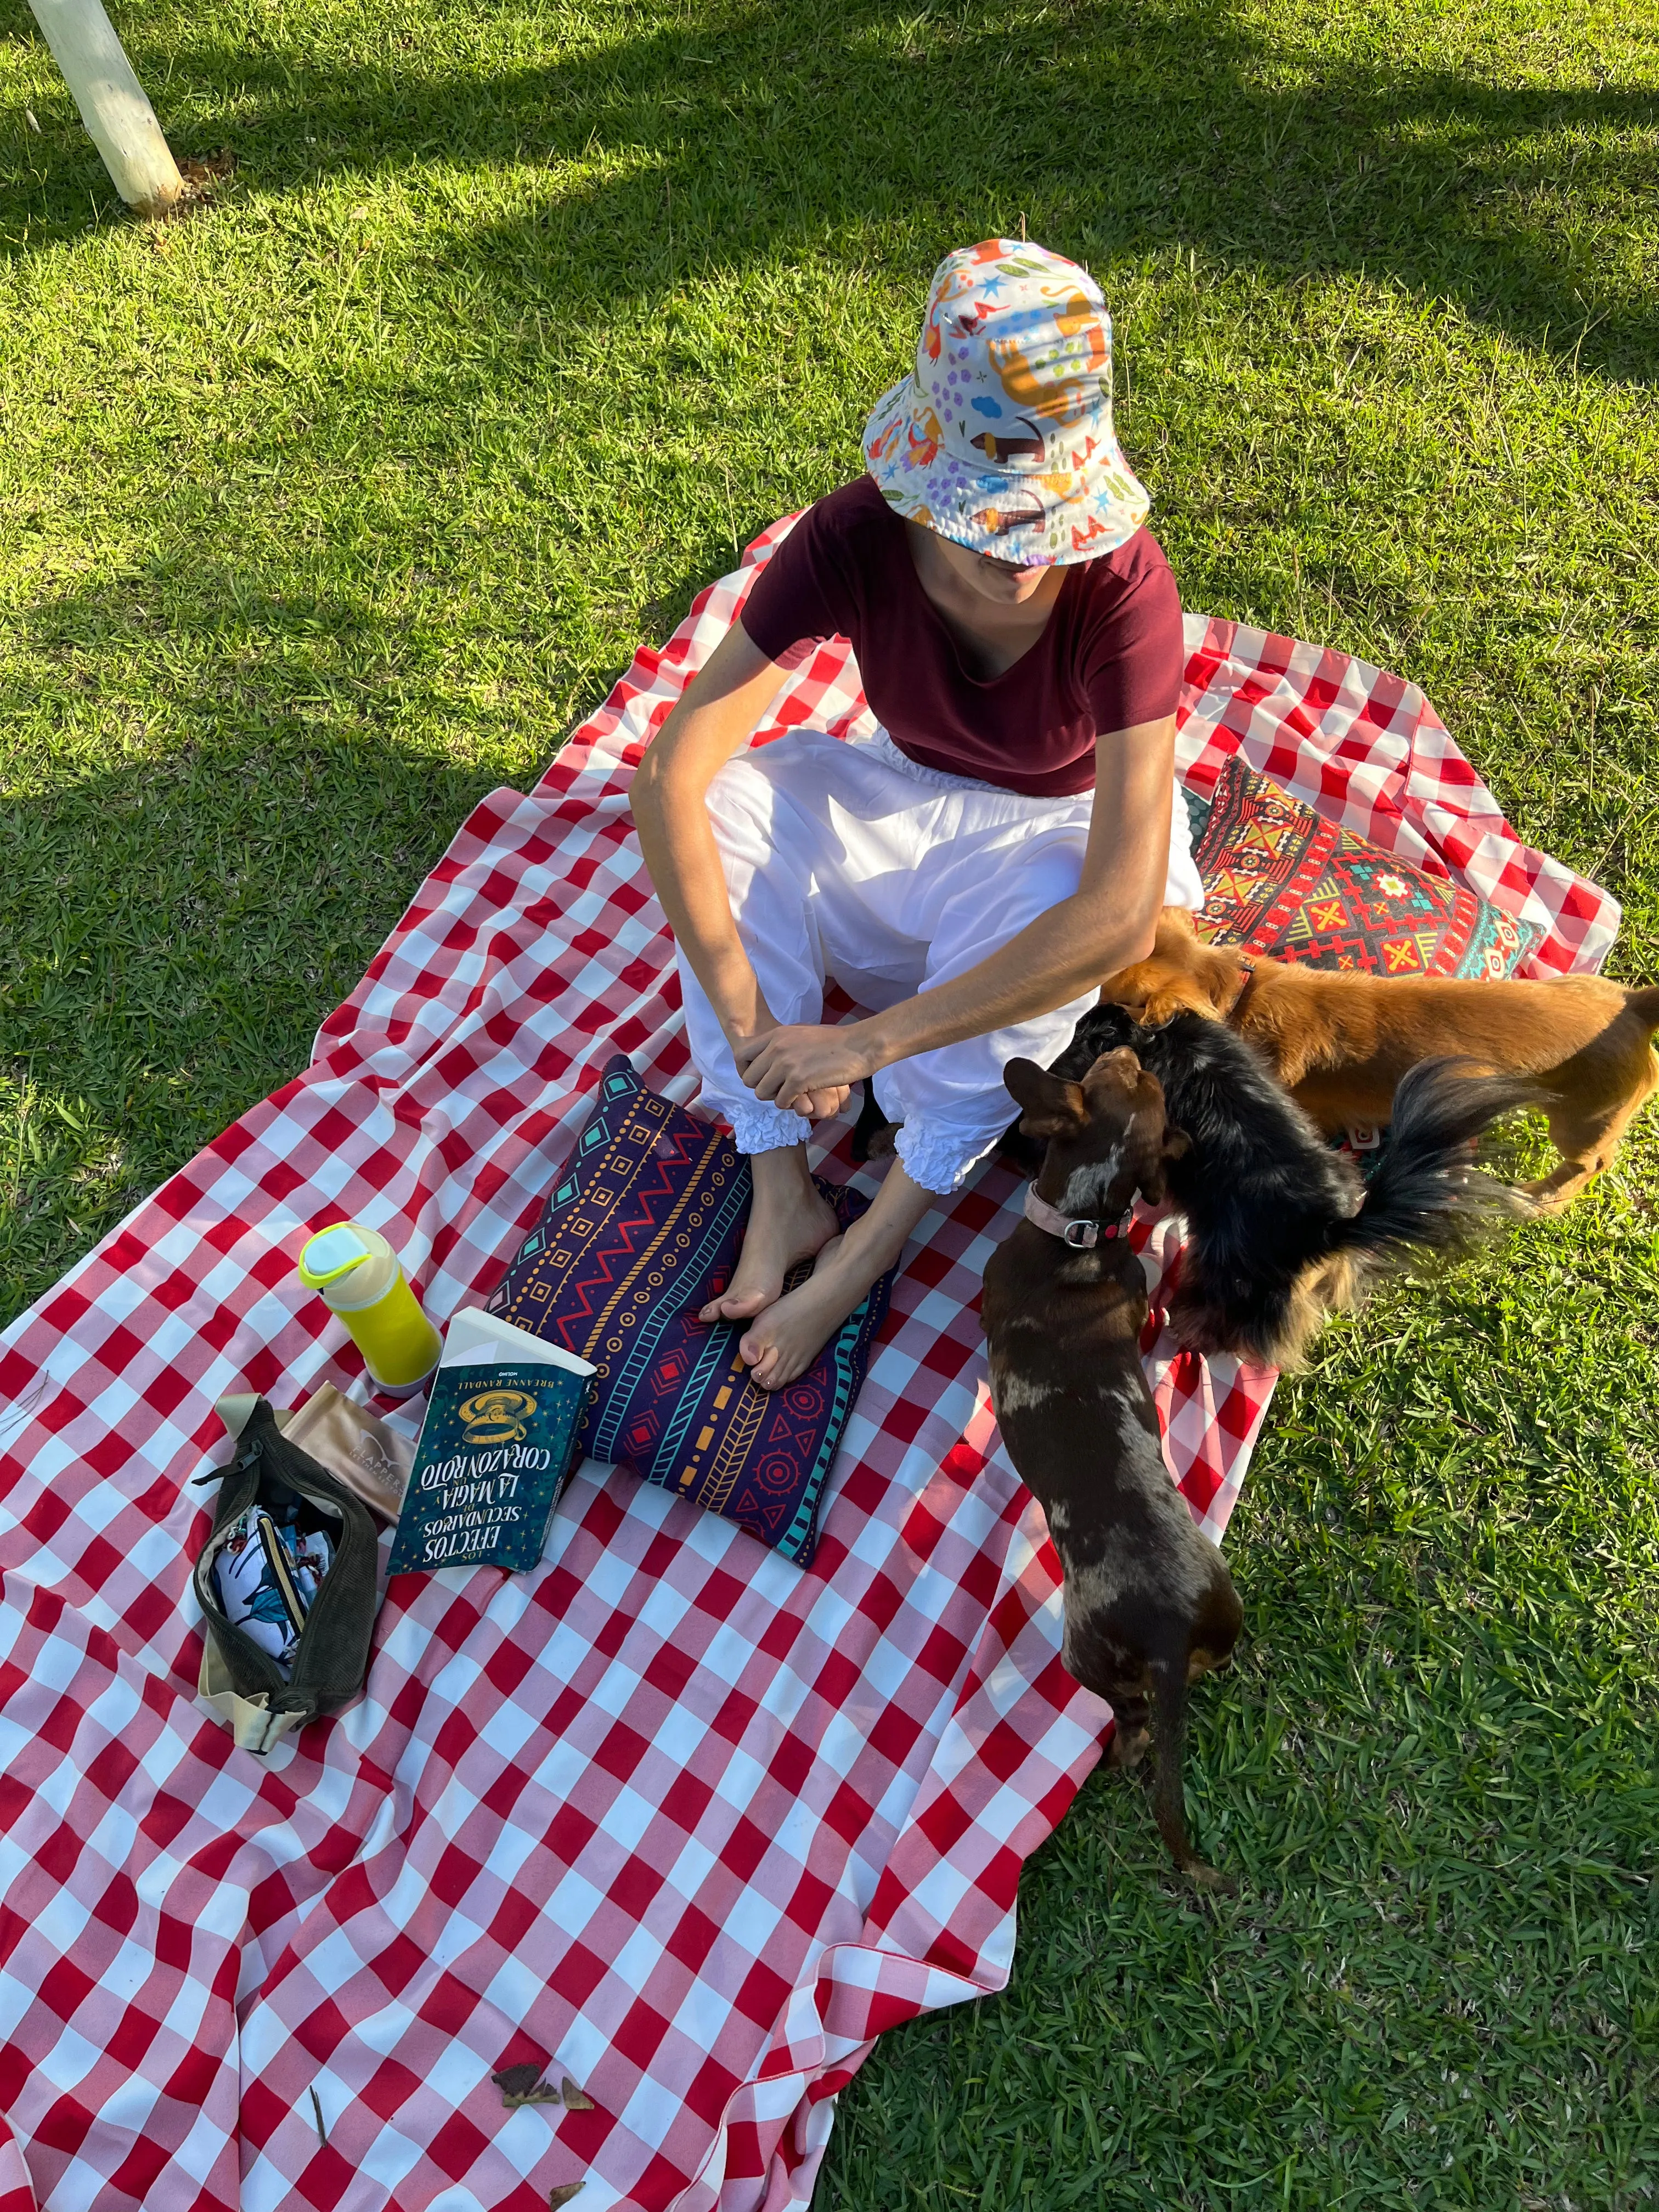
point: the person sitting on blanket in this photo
(1003, 842)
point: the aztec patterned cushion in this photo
(1282, 881)
(644, 1227)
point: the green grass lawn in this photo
(328, 509)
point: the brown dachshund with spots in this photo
(1149, 1604)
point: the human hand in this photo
(805, 1067)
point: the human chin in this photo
(1004, 580)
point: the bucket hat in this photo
(1002, 438)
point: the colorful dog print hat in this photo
(1002, 439)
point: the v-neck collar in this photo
(980, 683)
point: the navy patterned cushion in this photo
(1281, 880)
(643, 1227)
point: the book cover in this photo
(496, 1446)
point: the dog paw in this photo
(1546, 1197)
(1128, 1746)
(1211, 1879)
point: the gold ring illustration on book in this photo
(497, 1417)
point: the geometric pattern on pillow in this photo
(1281, 881)
(643, 1226)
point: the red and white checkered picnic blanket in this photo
(688, 1824)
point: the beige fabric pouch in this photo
(357, 1446)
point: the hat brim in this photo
(1036, 517)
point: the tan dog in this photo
(1340, 1042)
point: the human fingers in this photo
(818, 1104)
(827, 1101)
(771, 1072)
(793, 1065)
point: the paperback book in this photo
(496, 1446)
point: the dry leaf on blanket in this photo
(562, 2194)
(576, 2100)
(523, 2085)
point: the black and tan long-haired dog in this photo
(1282, 1228)
(1149, 1604)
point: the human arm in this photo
(1109, 922)
(714, 718)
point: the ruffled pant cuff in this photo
(763, 1127)
(938, 1160)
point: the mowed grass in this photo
(327, 510)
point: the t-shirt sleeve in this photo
(1133, 663)
(803, 591)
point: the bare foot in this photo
(789, 1221)
(788, 1336)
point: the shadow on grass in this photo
(1114, 128)
(193, 912)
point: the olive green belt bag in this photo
(331, 1657)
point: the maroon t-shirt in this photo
(1111, 655)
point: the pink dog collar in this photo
(1081, 1233)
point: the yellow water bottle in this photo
(361, 1280)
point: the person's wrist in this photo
(875, 1042)
(739, 1028)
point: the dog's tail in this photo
(1427, 1193)
(1168, 1703)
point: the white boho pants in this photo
(845, 858)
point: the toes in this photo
(770, 1366)
(761, 1359)
(737, 1306)
(774, 1372)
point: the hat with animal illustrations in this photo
(1002, 438)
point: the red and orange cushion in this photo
(1282, 881)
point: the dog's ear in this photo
(1049, 1105)
(1176, 1144)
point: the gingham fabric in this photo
(683, 1822)
(1369, 752)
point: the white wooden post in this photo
(111, 102)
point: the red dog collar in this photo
(1081, 1233)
